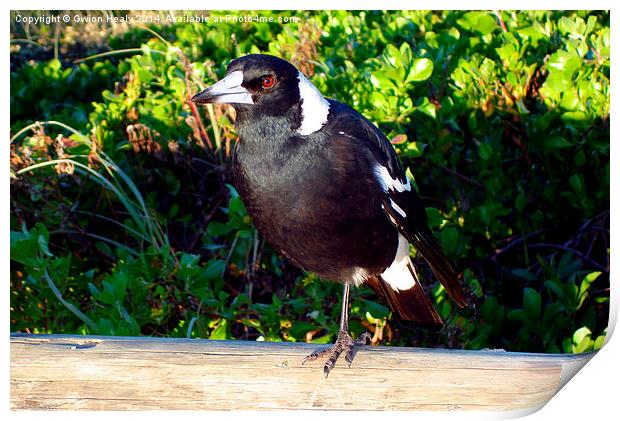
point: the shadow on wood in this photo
(116, 373)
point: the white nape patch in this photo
(314, 107)
(359, 276)
(398, 208)
(398, 275)
(388, 183)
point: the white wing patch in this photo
(397, 275)
(398, 208)
(388, 183)
(314, 107)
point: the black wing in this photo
(407, 213)
(401, 203)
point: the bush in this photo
(124, 220)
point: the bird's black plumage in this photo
(310, 199)
(324, 186)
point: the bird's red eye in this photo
(268, 82)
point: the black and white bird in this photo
(324, 186)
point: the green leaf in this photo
(492, 311)
(565, 62)
(216, 229)
(376, 310)
(525, 274)
(475, 287)
(485, 151)
(104, 248)
(517, 314)
(580, 158)
(120, 285)
(481, 22)
(107, 295)
(520, 202)
(556, 142)
(405, 54)
(415, 149)
(42, 241)
(578, 183)
(94, 291)
(421, 70)
(299, 329)
(582, 341)
(380, 80)
(599, 341)
(105, 327)
(434, 216)
(236, 206)
(571, 26)
(557, 287)
(449, 238)
(189, 260)
(24, 248)
(584, 286)
(531, 304)
(575, 117)
(534, 32)
(591, 277)
(427, 108)
(214, 269)
(392, 56)
(551, 313)
(325, 339)
(221, 331)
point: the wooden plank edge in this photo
(570, 363)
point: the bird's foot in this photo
(343, 343)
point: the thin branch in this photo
(464, 177)
(571, 250)
(515, 243)
(192, 106)
(498, 14)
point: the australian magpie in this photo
(324, 186)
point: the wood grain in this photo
(121, 373)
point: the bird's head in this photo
(255, 80)
(262, 85)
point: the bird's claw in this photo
(343, 343)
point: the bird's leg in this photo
(344, 341)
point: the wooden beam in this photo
(117, 373)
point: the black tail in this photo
(413, 225)
(410, 304)
(426, 244)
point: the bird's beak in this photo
(227, 91)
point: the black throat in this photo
(261, 132)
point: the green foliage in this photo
(124, 220)
(47, 91)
